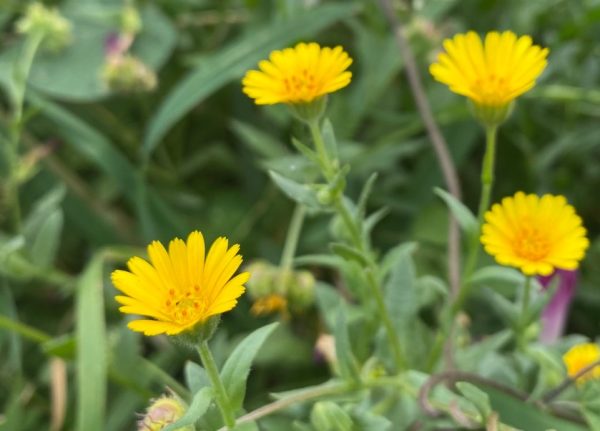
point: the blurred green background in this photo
(122, 168)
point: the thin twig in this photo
(441, 151)
(553, 393)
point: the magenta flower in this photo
(555, 314)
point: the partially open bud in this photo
(162, 412)
(128, 74)
(54, 29)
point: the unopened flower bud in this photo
(128, 74)
(262, 276)
(162, 412)
(49, 23)
(301, 292)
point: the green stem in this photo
(291, 241)
(23, 67)
(487, 182)
(326, 166)
(24, 330)
(524, 307)
(360, 243)
(221, 396)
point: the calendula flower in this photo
(298, 75)
(580, 357)
(535, 234)
(493, 72)
(181, 288)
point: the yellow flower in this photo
(535, 234)
(581, 356)
(298, 75)
(180, 288)
(491, 73)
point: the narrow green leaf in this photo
(237, 367)
(329, 139)
(479, 398)
(91, 349)
(262, 143)
(300, 193)
(361, 207)
(374, 218)
(309, 153)
(232, 61)
(195, 376)
(195, 411)
(349, 253)
(506, 309)
(464, 216)
(47, 239)
(343, 348)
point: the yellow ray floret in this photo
(298, 75)
(582, 356)
(493, 72)
(535, 234)
(181, 287)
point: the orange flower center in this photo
(301, 85)
(186, 307)
(531, 244)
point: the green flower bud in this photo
(49, 23)
(131, 23)
(162, 412)
(128, 74)
(328, 416)
(262, 278)
(301, 292)
(324, 195)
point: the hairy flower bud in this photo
(301, 291)
(128, 74)
(162, 412)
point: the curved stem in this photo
(215, 379)
(324, 161)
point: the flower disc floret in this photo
(180, 288)
(582, 356)
(298, 75)
(535, 234)
(491, 73)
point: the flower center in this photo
(492, 89)
(531, 244)
(301, 85)
(187, 306)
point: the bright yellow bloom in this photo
(490, 73)
(581, 356)
(298, 75)
(535, 234)
(180, 288)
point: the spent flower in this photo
(535, 234)
(180, 289)
(162, 412)
(128, 74)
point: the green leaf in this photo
(400, 289)
(349, 253)
(46, 241)
(343, 348)
(507, 310)
(494, 275)
(305, 150)
(195, 411)
(328, 416)
(195, 376)
(232, 61)
(92, 348)
(464, 216)
(237, 367)
(479, 398)
(262, 143)
(361, 206)
(329, 139)
(300, 193)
